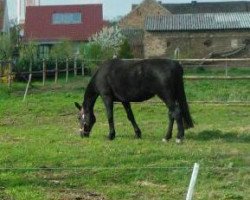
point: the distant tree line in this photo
(108, 43)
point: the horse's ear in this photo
(78, 106)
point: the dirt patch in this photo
(77, 195)
(7, 122)
(150, 184)
(4, 196)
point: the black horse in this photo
(135, 81)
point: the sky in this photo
(112, 9)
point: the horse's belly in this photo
(141, 98)
(133, 96)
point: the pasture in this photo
(42, 156)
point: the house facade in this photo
(161, 38)
(48, 25)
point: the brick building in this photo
(136, 18)
(208, 35)
(168, 27)
(133, 23)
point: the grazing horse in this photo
(135, 81)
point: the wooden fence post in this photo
(27, 87)
(30, 67)
(44, 72)
(226, 69)
(177, 53)
(67, 70)
(56, 71)
(75, 66)
(9, 73)
(1, 68)
(83, 68)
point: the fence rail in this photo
(216, 77)
(187, 63)
(214, 60)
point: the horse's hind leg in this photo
(131, 118)
(178, 117)
(170, 125)
(170, 103)
(175, 114)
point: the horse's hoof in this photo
(138, 134)
(179, 141)
(138, 137)
(111, 137)
(165, 140)
(83, 135)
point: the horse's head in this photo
(86, 120)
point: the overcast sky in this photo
(111, 8)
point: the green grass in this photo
(39, 142)
(219, 71)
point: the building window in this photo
(234, 43)
(43, 51)
(168, 44)
(138, 12)
(67, 18)
(247, 41)
(207, 43)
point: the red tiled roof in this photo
(38, 22)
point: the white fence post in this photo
(192, 181)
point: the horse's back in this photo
(132, 80)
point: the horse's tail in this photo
(181, 99)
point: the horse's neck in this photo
(90, 97)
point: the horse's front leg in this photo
(131, 118)
(109, 104)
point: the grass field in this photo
(42, 157)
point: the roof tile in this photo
(202, 21)
(208, 7)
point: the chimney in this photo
(193, 2)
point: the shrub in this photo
(28, 55)
(102, 46)
(62, 50)
(125, 50)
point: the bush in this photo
(125, 50)
(102, 46)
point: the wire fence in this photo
(129, 179)
(117, 168)
(9, 72)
